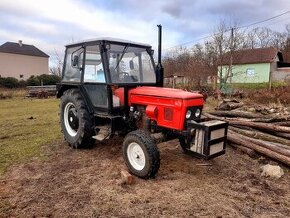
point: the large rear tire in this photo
(76, 122)
(141, 154)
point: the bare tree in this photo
(263, 36)
(226, 41)
(251, 41)
(286, 48)
(217, 55)
(57, 68)
(278, 40)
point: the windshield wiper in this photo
(123, 52)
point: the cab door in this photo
(94, 78)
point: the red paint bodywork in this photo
(158, 100)
(119, 92)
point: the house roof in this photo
(22, 49)
(253, 56)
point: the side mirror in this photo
(75, 61)
(131, 63)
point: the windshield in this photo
(130, 65)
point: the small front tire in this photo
(141, 154)
(183, 144)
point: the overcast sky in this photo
(50, 24)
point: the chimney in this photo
(20, 43)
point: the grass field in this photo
(25, 126)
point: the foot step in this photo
(104, 133)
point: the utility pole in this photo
(231, 54)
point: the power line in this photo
(287, 18)
(262, 21)
(185, 43)
(241, 27)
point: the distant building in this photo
(261, 65)
(21, 61)
(173, 80)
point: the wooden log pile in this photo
(256, 131)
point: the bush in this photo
(49, 79)
(9, 82)
(43, 79)
(32, 81)
(275, 95)
(22, 83)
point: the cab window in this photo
(94, 70)
(72, 68)
(130, 64)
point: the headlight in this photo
(188, 114)
(197, 112)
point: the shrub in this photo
(49, 79)
(43, 79)
(32, 81)
(9, 82)
(276, 94)
(22, 83)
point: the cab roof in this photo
(110, 40)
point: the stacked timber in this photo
(256, 130)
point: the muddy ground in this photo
(86, 183)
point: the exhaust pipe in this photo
(159, 43)
(160, 69)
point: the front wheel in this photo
(183, 144)
(141, 154)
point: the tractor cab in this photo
(106, 69)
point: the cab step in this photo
(103, 132)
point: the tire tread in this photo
(84, 139)
(152, 151)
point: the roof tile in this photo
(15, 48)
(251, 56)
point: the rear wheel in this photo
(76, 122)
(141, 154)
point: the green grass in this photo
(254, 86)
(20, 137)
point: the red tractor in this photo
(112, 87)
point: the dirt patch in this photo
(85, 183)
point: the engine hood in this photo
(164, 92)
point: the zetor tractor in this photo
(112, 87)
